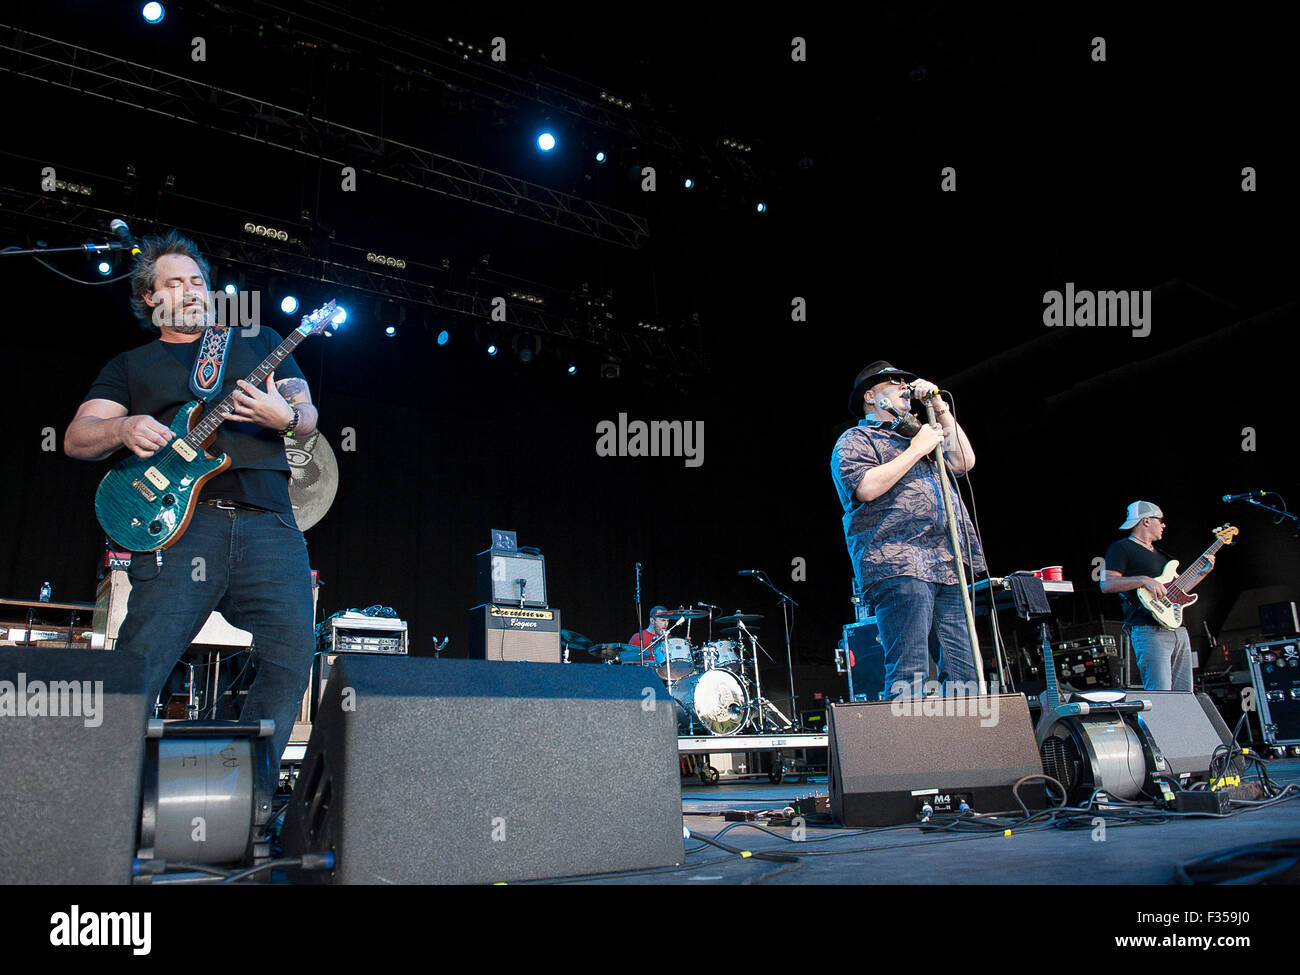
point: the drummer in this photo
(655, 631)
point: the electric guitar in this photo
(145, 503)
(1168, 609)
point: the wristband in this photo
(288, 431)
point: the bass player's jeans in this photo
(252, 567)
(1164, 657)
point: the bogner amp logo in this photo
(514, 615)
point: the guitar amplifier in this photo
(510, 633)
(1088, 663)
(502, 575)
(1275, 674)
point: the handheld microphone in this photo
(123, 233)
(1244, 497)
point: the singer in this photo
(895, 530)
(1164, 656)
(243, 533)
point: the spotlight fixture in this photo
(600, 157)
(573, 369)
(760, 207)
(261, 230)
(153, 13)
(546, 142)
(390, 331)
(689, 183)
(444, 337)
(340, 316)
(610, 369)
(230, 289)
(387, 261)
(492, 348)
(289, 304)
(620, 102)
(81, 188)
(105, 268)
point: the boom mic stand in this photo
(785, 617)
(951, 515)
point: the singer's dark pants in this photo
(918, 620)
(252, 567)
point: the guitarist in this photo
(1164, 656)
(242, 553)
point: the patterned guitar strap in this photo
(210, 364)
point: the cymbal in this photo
(732, 630)
(739, 618)
(574, 639)
(612, 651)
(680, 612)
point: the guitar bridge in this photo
(143, 488)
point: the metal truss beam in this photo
(148, 89)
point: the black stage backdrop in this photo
(1124, 175)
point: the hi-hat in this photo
(575, 640)
(612, 651)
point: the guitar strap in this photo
(210, 363)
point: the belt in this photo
(225, 505)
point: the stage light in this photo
(761, 207)
(289, 304)
(390, 331)
(546, 142)
(444, 337)
(689, 184)
(572, 370)
(153, 12)
(600, 157)
(340, 316)
(105, 268)
(230, 289)
(492, 348)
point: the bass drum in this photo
(715, 700)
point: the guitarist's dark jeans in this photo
(250, 566)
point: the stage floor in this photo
(1125, 854)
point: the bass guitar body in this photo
(145, 503)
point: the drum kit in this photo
(715, 685)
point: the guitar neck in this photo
(213, 418)
(1192, 574)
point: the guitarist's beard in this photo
(186, 321)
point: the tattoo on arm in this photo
(294, 391)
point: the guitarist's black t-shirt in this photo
(1128, 558)
(267, 489)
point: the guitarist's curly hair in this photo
(144, 270)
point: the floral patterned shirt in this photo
(903, 532)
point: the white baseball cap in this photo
(1139, 510)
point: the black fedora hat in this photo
(877, 372)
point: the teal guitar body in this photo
(145, 503)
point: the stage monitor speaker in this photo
(511, 633)
(460, 771)
(888, 758)
(72, 726)
(501, 576)
(1186, 728)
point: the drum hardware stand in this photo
(758, 682)
(785, 618)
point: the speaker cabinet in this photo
(510, 633)
(888, 758)
(460, 771)
(502, 576)
(72, 726)
(1186, 728)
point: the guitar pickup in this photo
(185, 450)
(143, 488)
(156, 478)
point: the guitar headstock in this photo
(315, 323)
(1226, 533)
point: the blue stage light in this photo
(492, 349)
(600, 157)
(105, 268)
(761, 208)
(390, 331)
(153, 12)
(572, 370)
(444, 337)
(230, 289)
(339, 317)
(546, 142)
(289, 304)
(689, 184)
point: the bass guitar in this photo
(1168, 609)
(145, 503)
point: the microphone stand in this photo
(785, 617)
(1277, 511)
(956, 546)
(638, 597)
